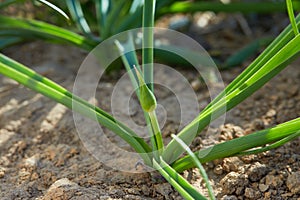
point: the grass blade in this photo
(177, 181)
(198, 164)
(275, 46)
(42, 85)
(243, 54)
(172, 181)
(112, 18)
(33, 29)
(102, 10)
(292, 16)
(8, 41)
(148, 44)
(130, 60)
(235, 146)
(271, 146)
(78, 17)
(129, 21)
(136, 4)
(254, 77)
(54, 7)
(243, 7)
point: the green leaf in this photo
(42, 85)
(271, 146)
(274, 59)
(8, 41)
(136, 4)
(237, 145)
(130, 60)
(133, 69)
(148, 41)
(33, 29)
(177, 181)
(129, 21)
(243, 7)
(54, 7)
(112, 17)
(251, 49)
(103, 8)
(78, 16)
(198, 164)
(292, 16)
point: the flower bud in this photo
(147, 98)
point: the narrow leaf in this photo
(243, 7)
(42, 85)
(8, 41)
(292, 16)
(177, 181)
(237, 145)
(54, 7)
(274, 60)
(198, 164)
(33, 29)
(102, 9)
(148, 41)
(78, 16)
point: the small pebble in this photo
(271, 113)
(196, 85)
(293, 182)
(252, 194)
(2, 174)
(257, 171)
(218, 170)
(164, 189)
(274, 181)
(231, 164)
(263, 187)
(229, 197)
(233, 183)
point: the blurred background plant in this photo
(92, 21)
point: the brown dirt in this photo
(42, 157)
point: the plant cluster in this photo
(165, 159)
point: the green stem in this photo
(177, 181)
(289, 5)
(156, 131)
(198, 164)
(147, 53)
(185, 194)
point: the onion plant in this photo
(114, 16)
(168, 159)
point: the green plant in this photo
(166, 159)
(114, 16)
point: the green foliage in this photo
(274, 59)
(97, 20)
(239, 6)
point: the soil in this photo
(42, 156)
